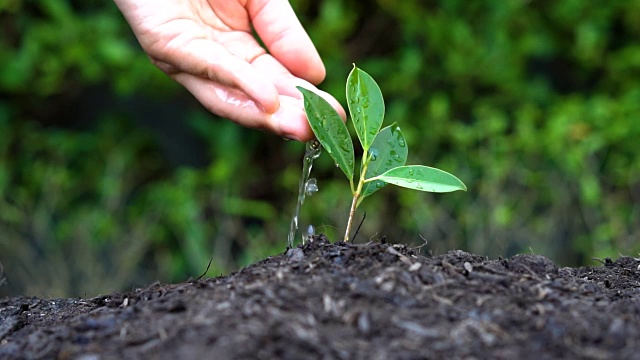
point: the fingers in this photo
(288, 121)
(281, 31)
(286, 83)
(210, 60)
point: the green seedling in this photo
(384, 150)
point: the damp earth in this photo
(348, 301)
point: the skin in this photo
(208, 47)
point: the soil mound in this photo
(348, 301)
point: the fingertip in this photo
(263, 92)
(308, 67)
(291, 122)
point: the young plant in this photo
(384, 150)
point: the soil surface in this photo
(348, 301)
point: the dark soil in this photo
(348, 301)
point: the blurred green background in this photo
(112, 176)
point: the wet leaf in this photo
(422, 178)
(366, 106)
(330, 130)
(388, 151)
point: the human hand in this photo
(208, 47)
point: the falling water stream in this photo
(306, 187)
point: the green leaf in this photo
(366, 106)
(330, 130)
(388, 150)
(422, 178)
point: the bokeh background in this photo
(112, 176)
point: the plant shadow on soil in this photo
(348, 301)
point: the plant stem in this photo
(352, 212)
(356, 196)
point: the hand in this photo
(208, 47)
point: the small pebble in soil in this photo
(295, 254)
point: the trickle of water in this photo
(312, 151)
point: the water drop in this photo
(345, 146)
(365, 102)
(401, 142)
(311, 230)
(373, 152)
(411, 172)
(311, 187)
(379, 184)
(337, 165)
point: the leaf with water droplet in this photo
(366, 106)
(388, 155)
(424, 178)
(330, 130)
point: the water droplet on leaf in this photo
(373, 152)
(328, 148)
(345, 146)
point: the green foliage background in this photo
(111, 177)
